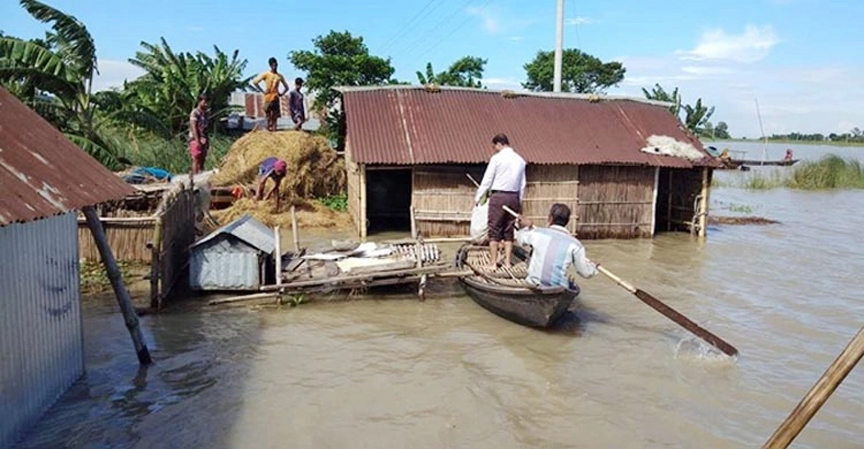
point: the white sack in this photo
(480, 222)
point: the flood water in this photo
(398, 372)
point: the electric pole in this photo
(559, 43)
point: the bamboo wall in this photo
(177, 219)
(615, 201)
(355, 204)
(547, 185)
(443, 198)
(128, 240)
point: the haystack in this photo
(310, 213)
(313, 167)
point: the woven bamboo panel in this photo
(128, 241)
(615, 201)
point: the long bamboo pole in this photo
(818, 394)
(278, 255)
(116, 279)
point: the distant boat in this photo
(776, 163)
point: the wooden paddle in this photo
(667, 311)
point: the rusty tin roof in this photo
(407, 125)
(42, 173)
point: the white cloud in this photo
(707, 71)
(579, 20)
(752, 45)
(502, 83)
(490, 20)
(112, 73)
(515, 38)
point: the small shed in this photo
(44, 179)
(237, 256)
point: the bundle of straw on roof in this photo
(313, 167)
(309, 213)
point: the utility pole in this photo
(559, 43)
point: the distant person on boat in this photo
(272, 78)
(504, 179)
(555, 250)
(788, 155)
(271, 168)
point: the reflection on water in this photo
(446, 373)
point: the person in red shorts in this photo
(199, 143)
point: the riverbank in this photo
(707, 142)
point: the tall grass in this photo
(170, 154)
(830, 172)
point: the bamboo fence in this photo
(616, 201)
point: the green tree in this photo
(697, 116)
(56, 77)
(660, 94)
(580, 72)
(466, 72)
(721, 131)
(339, 59)
(160, 100)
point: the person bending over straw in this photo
(272, 168)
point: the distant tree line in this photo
(854, 135)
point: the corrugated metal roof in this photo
(247, 229)
(42, 173)
(406, 125)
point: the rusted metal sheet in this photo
(42, 173)
(410, 125)
(40, 319)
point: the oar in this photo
(667, 311)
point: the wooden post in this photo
(278, 255)
(363, 230)
(117, 283)
(413, 223)
(155, 258)
(669, 204)
(703, 204)
(818, 394)
(294, 234)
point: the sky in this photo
(797, 58)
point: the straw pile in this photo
(313, 168)
(309, 214)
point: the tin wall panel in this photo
(41, 339)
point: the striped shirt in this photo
(555, 250)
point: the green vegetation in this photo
(580, 72)
(830, 172)
(466, 72)
(339, 59)
(742, 208)
(338, 203)
(696, 117)
(94, 279)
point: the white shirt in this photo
(506, 172)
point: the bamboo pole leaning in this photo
(818, 394)
(123, 300)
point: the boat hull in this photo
(780, 163)
(521, 305)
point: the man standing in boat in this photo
(555, 250)
(504, 179)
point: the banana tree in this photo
(59, 72)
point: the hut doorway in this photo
(388, 200)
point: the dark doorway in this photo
(388, 200)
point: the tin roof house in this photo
(45, 178)
(626, 167)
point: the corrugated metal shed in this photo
(407, 125)
(41, 339)
(231, 257)
(42, 172)
(247, 229)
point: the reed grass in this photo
(829, 173)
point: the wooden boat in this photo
(776, 163)
(506, 292)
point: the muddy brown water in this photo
(397, 372)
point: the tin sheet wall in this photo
(40, 319)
